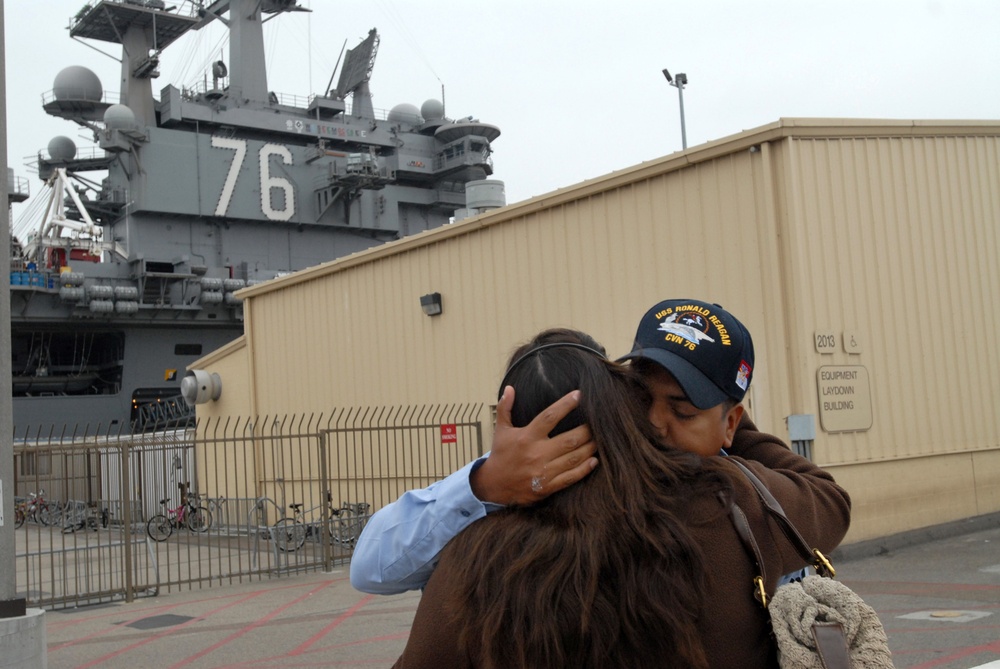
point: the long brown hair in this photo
(603, 573)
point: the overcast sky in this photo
(576, 85)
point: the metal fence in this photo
(115, 517)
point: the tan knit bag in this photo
(818, 623)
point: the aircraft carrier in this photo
(192, 192)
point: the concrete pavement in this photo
(937, 592)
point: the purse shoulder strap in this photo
(742, 526)
(830, 640)
(811, 555)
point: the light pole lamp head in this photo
(666, 73)
(682, 79)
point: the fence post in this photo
(127, 519)
(327, 520)
(479, 433)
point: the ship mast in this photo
(247, 67)
(145, 31)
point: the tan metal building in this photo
(863, 255)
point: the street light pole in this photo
(678, 82)
(22, 630)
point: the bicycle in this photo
(195, 518)
(197, 501)
(82, 515)
(37, 509)
(345, 526)
(20, 512)
(350, 521)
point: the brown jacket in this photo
(735, 629)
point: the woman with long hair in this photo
(638, 565)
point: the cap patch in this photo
(689, 327)
(743, 375)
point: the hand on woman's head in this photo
(526, 465)
(541, 443)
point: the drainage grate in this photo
(154, 622)
(948, 615)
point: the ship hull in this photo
(131, 381)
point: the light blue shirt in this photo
(399, 547)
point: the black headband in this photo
(565, 344)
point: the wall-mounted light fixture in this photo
(431, 304)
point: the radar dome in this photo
(62, 148)
(405, 113)
(77, 83)
(432, 110)
(119, 117)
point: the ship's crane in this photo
(79, 239)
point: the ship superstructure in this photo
(190, 195)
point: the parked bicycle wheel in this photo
(18, 517)
(45, 514)
(199, 519)
(158, 528)
(289, 535)
(346, 527)
(73, 518)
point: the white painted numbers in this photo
(268, 182)
(240, 147)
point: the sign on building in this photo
(845, 399)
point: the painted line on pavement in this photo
(250, 628)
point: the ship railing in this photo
(90, 153)
(89, 158)
(80, 94)
(116, 195)
(380, 114)
(25, 277)
(193, 92)
(178, 8)
(290, 100)
(17, 186)
(461, 159)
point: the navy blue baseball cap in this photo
(702, 345)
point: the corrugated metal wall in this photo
(595, 263)
(888, 232)
(896, 239)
